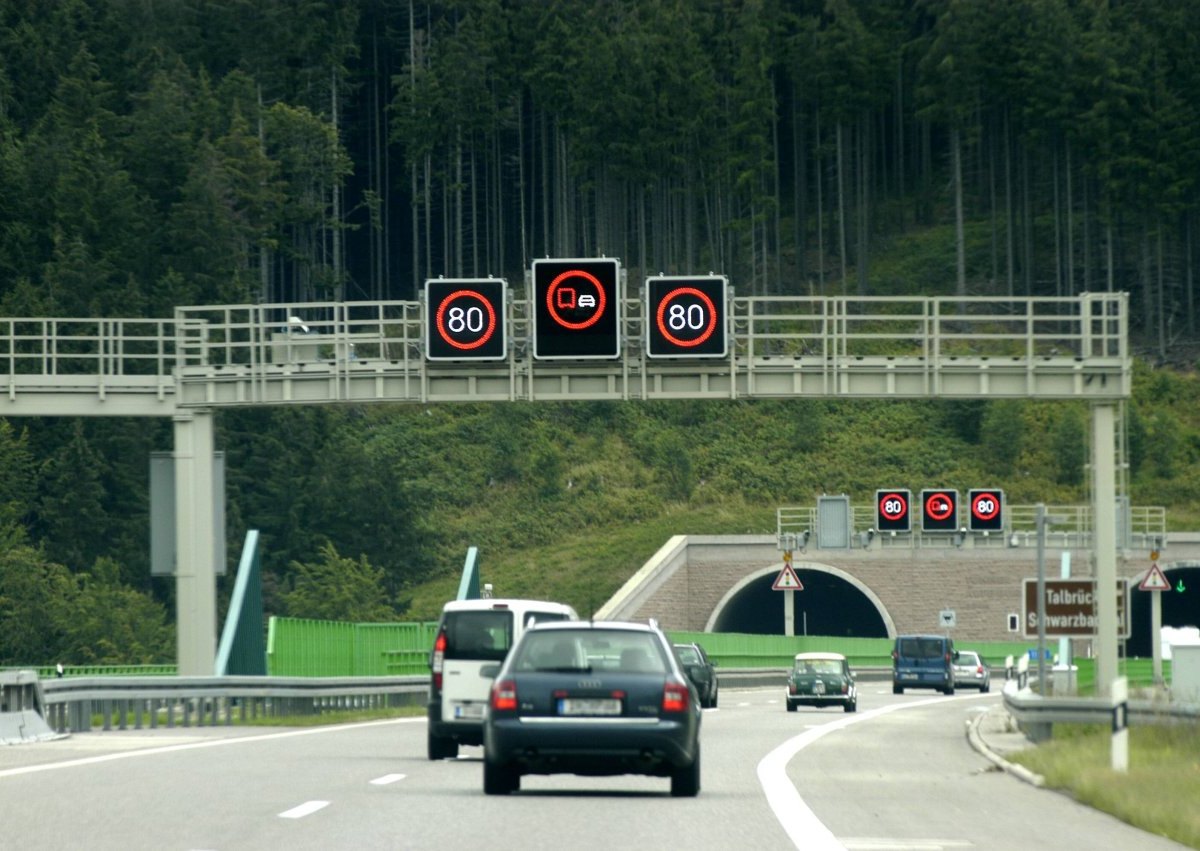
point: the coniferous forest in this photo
(238, 151)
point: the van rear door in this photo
(474, 638)
(922, 660)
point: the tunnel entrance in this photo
(828, 605)
(1180, 607)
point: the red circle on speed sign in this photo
(709, 323)
(985, 506)
(893, 506)
(482, 334)
(939, 506)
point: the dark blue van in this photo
(923, 661)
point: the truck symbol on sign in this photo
(567, 299)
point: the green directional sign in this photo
(1180, 587)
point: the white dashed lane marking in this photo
(386, 779)
(305, 809)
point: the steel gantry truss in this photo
(211, 357)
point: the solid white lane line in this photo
(207, 743)
(865, 843)
(386, 779)
(305, 809)
(798, 821)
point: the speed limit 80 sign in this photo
(686, 317)
(892, 513)
(464, 319)
(986, 507)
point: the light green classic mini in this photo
(821, 679)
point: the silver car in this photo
(970, 671)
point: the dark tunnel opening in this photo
(1180, 607)
(828, 605)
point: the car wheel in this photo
(791, 707)
(499, 779)
(986, 687)
(685, 782)
(897, 689)
(714, 700)
(948, 690)
(441, 747)
(850, 706)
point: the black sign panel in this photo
(939, 510)
(576, 308)
(986, 508)
(464, 319)
(685, 317)
(892, 510)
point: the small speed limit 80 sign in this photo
(986, 509)
(892, 513)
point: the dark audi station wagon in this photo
(592, 698)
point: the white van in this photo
(470, 635)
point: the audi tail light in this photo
(676, 697)
(504, 696)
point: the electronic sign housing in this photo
(465, 319)
(577, 308)
(687, 316)
(939, 510)
(893, 510)
(985, 510)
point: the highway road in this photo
(898, 774)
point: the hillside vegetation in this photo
(625, 480)
(198, 153)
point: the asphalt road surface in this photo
(898, 774)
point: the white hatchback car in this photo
(970, 671)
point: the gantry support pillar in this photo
(195, 559)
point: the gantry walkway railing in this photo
(779, 347)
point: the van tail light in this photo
(947, 657)
(504, 696)
(675, 697)
(979, 670)
(438, 660)
(895, 655)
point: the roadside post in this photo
(1155, 582)
(788, 582)
(1120, 724)
(1042, 520)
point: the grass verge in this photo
(1157, 794)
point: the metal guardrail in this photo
(73, 704)
(1036, 715)
(87, 704)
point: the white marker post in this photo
(1120, 724)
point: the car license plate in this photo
(469, 710)
(589, 706)
(819, 687)
(908, 676)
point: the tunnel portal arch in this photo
(833, 602)
(1178, 607)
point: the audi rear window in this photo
(591, 650)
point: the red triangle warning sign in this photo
(1154, 580)
(787, 580)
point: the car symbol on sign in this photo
(587, 300)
